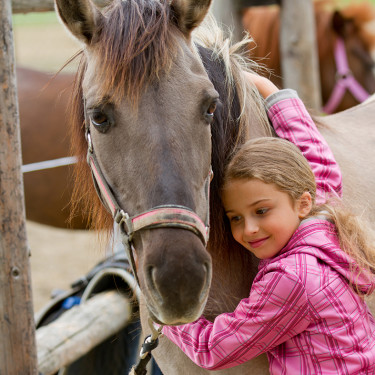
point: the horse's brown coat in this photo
(43, 107)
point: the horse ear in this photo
(188, 14)
(343, 26)
(80, 17)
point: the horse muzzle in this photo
(174, 272)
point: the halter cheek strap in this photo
(344, 81)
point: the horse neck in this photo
(233, 267)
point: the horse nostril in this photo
(180, 287)
(152, 283)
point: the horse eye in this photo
(211, 108)
(210, 111)
(100, 120)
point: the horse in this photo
(43, 104)
(158, 101)
(345, 46)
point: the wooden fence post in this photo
(298, 50)
(17, 332)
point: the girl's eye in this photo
(261, 211)
(235, 219)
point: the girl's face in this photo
(262, 217)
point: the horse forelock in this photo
(135, 44)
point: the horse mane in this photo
(224, 64)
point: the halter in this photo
(344, 80)
(164, 216)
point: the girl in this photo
(306, 308)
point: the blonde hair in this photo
(279, 162)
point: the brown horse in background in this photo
(43, 104)
(350, 24)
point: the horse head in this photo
(145, 102)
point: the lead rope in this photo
(150, 343)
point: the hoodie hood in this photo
(318, 237)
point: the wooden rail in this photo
(81, 329)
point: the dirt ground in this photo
(59, 257)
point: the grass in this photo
(33, 19)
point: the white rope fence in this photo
(49, 164)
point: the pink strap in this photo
(345, 80)
(105, 194)
(158, 216)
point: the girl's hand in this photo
(264, 85)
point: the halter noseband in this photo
(164, 216)
(344, 80)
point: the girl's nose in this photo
(251, 227)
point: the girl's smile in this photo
(258, 243)
(262, 217)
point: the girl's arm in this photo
(291, 121)
(276, 310)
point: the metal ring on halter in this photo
(89, 142)
(123, 217)
(339, 76)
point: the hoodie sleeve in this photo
(276, 310)
(291, 121)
